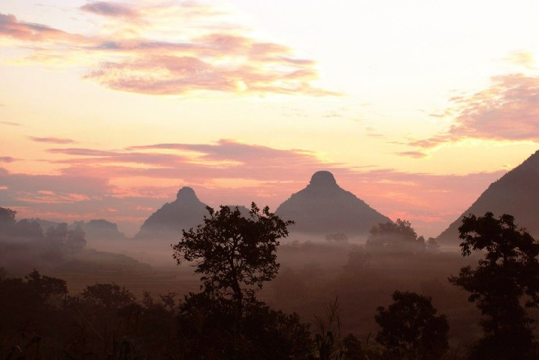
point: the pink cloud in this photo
(7, 159)
(140, 60)
(413, 154)
(506, 111)
(11, 27)
(110, 9)
(52, 140)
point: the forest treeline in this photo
(234, 257)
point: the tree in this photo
(62, 239)
(7, 221)
(234, 254)
(45, 286)
(75, 240)
(7, 216)
(398, 236)
(206, 331)
(508, 272)
(411, 329)
(108, 295)
(339, 238)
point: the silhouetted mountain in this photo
(100, 229)
(323, 207)
(516, 193)
(168, 221)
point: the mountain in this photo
(168, 221)
(323, 208)
(187, 211)
(516, 193)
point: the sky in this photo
(108, 108)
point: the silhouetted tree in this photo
(75, 241)
(234, 254)
(45, 286)
(7, 216)
(432, 245)
(107, 295)
(337, 238)
(61, 239)
(207, 330)
(398, 236)
(508, 271)
(28, 229)
(411, 329)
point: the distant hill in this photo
(95, 229)
(100, 229)
(168, 221)
(187, 211)
(516, 193)
(323, 208)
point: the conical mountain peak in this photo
(323, 178)
(186, 194)
(323, 207)
(168, 221)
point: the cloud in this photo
(413, 154)
(52, 140)
(508, 110)
(11, 27)
(143, 49)
(7, 159)
(13, 124)
(110, 9)
(522, 58)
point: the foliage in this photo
(208, 329)
(328, 338)
(398, 236)
(234, 254)
(7, 216)
(508, 272)
(108, 295)
(411, 329)
(339, 238)
(62, 239)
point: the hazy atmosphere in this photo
(394, 144)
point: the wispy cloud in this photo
(508, 110)
(7, 159)
(111, 9)
(11, 27)
(13, 124)
(52, 140)
(413, 154)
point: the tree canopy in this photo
(411, 329)
(508, 272)
(234, 254)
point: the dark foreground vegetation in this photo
(398, 297)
